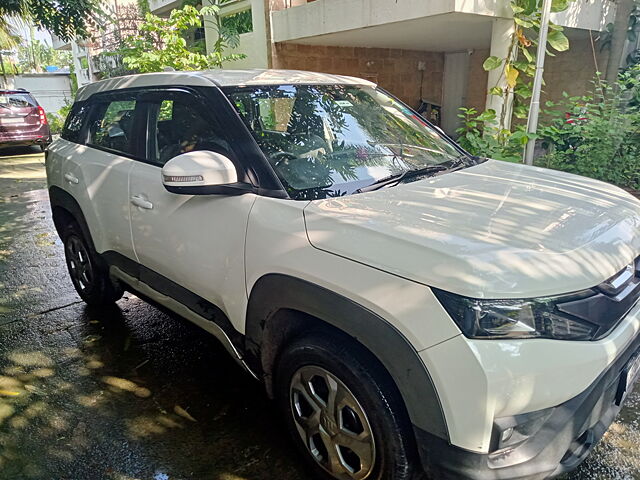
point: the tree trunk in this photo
(618, 38)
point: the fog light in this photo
(512, 431)
(506, 435)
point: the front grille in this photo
(610, 302)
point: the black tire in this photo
(89, 276)
(382, 410)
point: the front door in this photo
(192, 242)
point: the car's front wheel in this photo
(343, 413)
(89, 278)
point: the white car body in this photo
(491, 231)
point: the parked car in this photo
(410, 307)
(22, 120)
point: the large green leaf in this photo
(524, 23)
(558, 40)
(559, 5)
(492, 63)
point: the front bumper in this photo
(564, 441)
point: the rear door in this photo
(194, 242)
(19, 113)
(96, 173)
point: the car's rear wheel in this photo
(343, 413)
(90, 279)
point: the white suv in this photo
(411, 308)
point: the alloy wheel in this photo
(80, 267)
(332, 424)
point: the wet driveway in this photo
(131, 392)
(127, 393)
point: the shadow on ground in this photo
(123, 393)
(131, 393)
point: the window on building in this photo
(240, 22)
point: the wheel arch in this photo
(65, 209)
(282, 307)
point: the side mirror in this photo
(202, 173)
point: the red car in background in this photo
(22, 120)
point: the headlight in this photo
(528, 318)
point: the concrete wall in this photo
(325, 16)
(394, 70)
(51, 90)
(321, 17)
(254, 45)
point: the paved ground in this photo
(123, 394)
(132, 393)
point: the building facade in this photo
(428, 50)
(428, 53)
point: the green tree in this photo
(161, 43)
(9, 38)
(64, 18)
(38, 55)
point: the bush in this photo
(56, 120)
(55, 123)
(479, 136)
(597, 135)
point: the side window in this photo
(73, 124)
(111, 125)
(177, 126)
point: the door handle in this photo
(138, 201)
(71, 178)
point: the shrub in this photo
(479, 136)
(597, 135)
(56, 120)
(55, 123)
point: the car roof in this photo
(14, 90)
(221, 78)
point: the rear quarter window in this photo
(74, 123)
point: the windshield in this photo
(331, 140)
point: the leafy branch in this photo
(490, 130)
(161, 42)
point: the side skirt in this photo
(175, 306)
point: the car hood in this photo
(495, 230)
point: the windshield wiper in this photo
(404, 146)
(398, 177)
